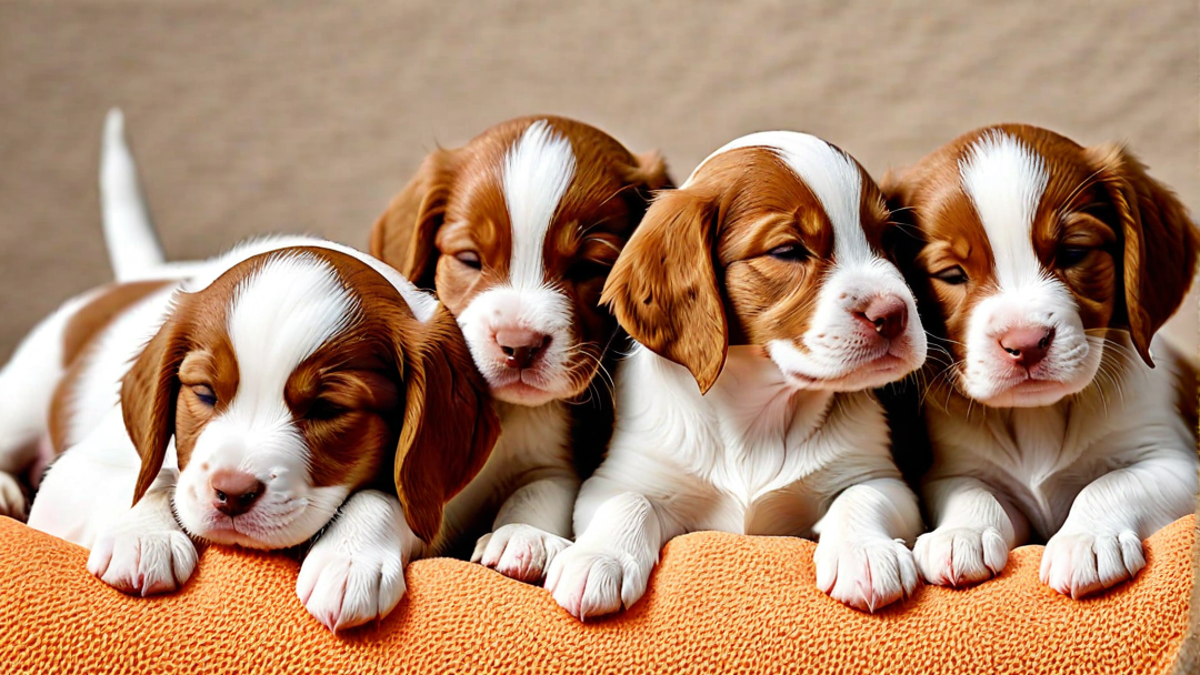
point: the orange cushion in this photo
(719, 603)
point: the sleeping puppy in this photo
(279, 379)
(764, 312)
(1046, 270)
(517, 231)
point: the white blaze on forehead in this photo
(829, 173)
(537, 172)
(1005, 180)
(279, 316)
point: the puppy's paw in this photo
(522, 552)
(354, 573)
(12, 497)
(865, 574)
(1079, 564)
(589, 582)
(960, 556)
(143, 563)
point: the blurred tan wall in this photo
(285, 116)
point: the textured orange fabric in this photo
(719, 603)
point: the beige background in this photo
(285, 116)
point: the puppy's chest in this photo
(533, 441)
(773, 478)
(1044, 457)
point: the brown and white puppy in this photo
(242, 404)
(517, 231)
(764, 311)
(1046, 269)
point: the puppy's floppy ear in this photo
(449, 424)
(403, 237)
(1160, 242)
(149, 392)
(663, 288)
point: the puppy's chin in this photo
(1008, 387)
(540, 385)
(278, 522)
(865, 372)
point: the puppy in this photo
(517, 231)
(763, 312)
(1045, 270)
(272, 387)
(259, 389)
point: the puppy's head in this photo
(775, 240)
(517, 231)
(294, 379)
(1033, 247)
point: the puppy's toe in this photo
(12, 497)
(1079, 564)
(867, 574)
(347, 586)
(522, 552)
(960, 556)
(143, 563)
(590, 582)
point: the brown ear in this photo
(148, 395)
(663, 288)
(1160, 242)
(403, 237)
(449, 424)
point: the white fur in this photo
(537, 172)
(1094, 473)
(129, 234)
(1005, 180)
(781, 444)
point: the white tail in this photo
(133, 246)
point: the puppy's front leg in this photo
(354, 572)
(145, 551)
(974, 530)
(1100, 544)
(862, 557)
(531, 529)
(611, 560)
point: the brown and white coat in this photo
(1044, 269)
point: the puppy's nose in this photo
(234, 492)
(1027, 346)
(887, 315)
(521, 347)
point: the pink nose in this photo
(234, 492)
(887, 315)
(1027, 346)
(521, 347)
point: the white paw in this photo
(143, 563)
(866, 574)
(1082, 563)
(521, 552)
(960, 556)
(590, 582)
(12, 497)
(354, 573)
